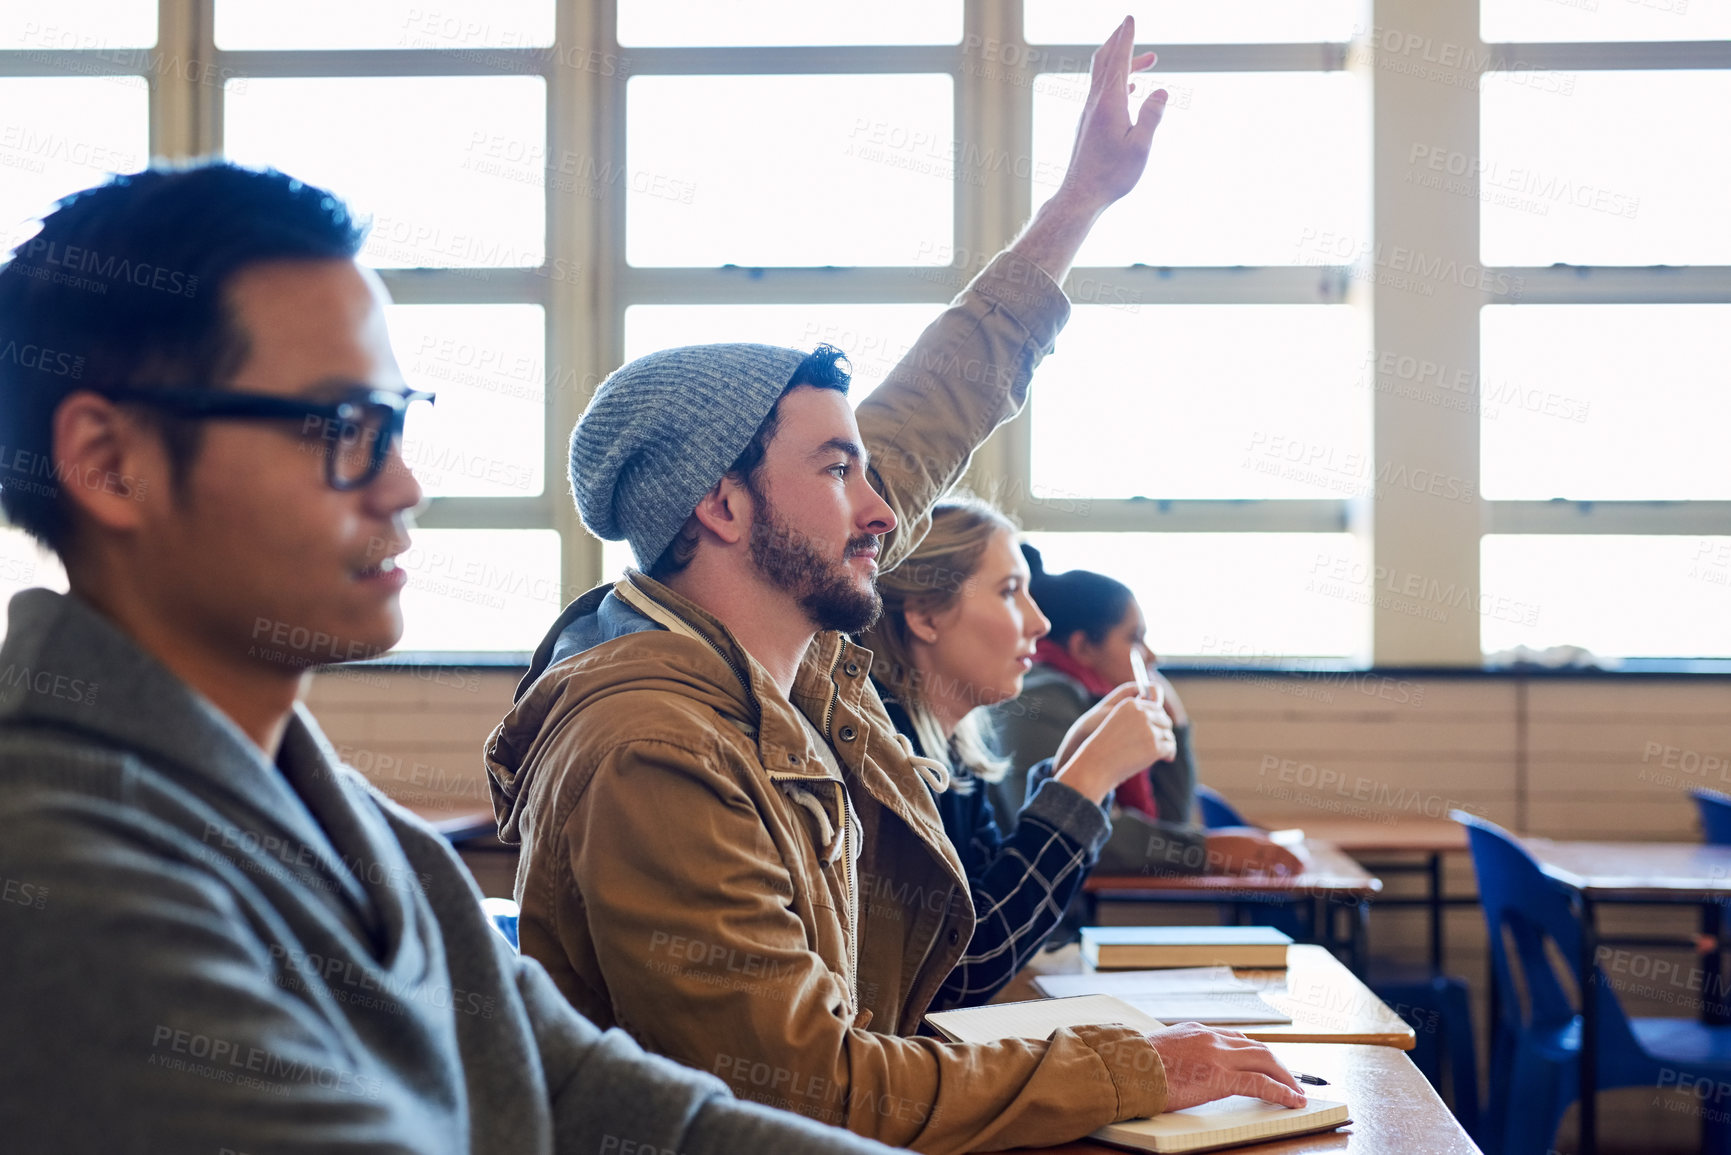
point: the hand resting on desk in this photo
(1204, 1064)
(1247, 850)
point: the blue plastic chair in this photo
(504, 913)
(1216, 811)
(1536, 1045)
(1715, 811)
(1293, 920)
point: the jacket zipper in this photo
(834, 691)
(846, 833)
(847, 847)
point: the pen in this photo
(1143, 682)
(1311, 1079)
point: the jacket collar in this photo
(785, 747)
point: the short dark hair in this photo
(124, 285)
(1076, 599)
(825, 367)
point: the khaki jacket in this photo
(691, 872)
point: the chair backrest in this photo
(1216, 811)
(1519, 898)
(503, 913)
(1715, 816)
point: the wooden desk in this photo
(1394, 1110)
(1686, 872)
(1635, 872)
(1330, 882)
(1362, 837)
(1327, 1002)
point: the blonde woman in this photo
(957, 632)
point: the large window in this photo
(1412, 347)
(1604, 153)
(1203, 430)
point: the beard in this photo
(824, 589)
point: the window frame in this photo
(586, 72)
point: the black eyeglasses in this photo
(357, 432)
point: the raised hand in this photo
(1111, 150)
(1108, 158)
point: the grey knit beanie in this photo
(662, 430)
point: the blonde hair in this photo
(930, 580)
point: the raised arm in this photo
(971, 368)
(1108, 158)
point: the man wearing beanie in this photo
(725, 849)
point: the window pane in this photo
(480, 589)
(485, 435)
(62, 134)
(802, 170)
(1600, 168)
(1233, 595)
(1183, 22)
(616, 558)
(88, 25)
(875, 337)
(732, 22)
(1205, 401)
(383, 24)
(1615, 595)
(419, 154)
(1247, 169)
(1605, 402)
(1538, 20)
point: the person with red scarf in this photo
(1095, 626)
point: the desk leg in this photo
(1436, 912)
(1589, 1031)
(1360, 935)
(1712, 928)
(1714, 1130)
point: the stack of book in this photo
(1133, 947)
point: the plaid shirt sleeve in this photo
(1020, 884)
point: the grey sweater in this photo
(203, 952)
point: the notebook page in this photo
(1038, 1018)
(1135, 984)
(1223, 1009)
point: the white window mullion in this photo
(1418, 537)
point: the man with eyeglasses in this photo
(214, 937)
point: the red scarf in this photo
(1135, 791)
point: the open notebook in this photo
(1223, 1123)
(1211, 995)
